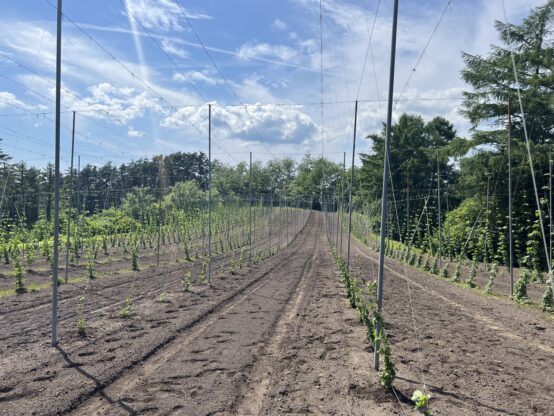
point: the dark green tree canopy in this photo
(493, 82)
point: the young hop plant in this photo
(470, 282)
(520, 290)
(457, 272)
(185, 283)
(126, 312)
(19, 284)
(547, 304)
(492, 276)
(81, 323)
(421, 401)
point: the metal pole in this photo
(250, 212)
(439, 206)
(550, 205)
(57, 176)
(511, 265)
(384, 194)
(78, 185)
(67, 243)
(287, 218)
(351, 185)
(270, 219)
(342, 197)
(487, 222)
(209, 193)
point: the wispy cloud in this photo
(279, 25)
(265, 50)
(163, 15)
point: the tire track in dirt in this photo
(255, 391)
(131, 377)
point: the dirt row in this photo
(475, 354)
(31, 372)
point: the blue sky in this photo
(152, 98)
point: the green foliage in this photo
(388, 372)
(19, 284)
(547, 304)
(90, 268)
(470, 282)
(186, 282)
(444, 271)
(203, 270)
(435, 266)
(520, 290)
(134, 260)
(421, 401)
(126, 311)
(81, 322)
(162, 298)
(458, 271)
(492, 276)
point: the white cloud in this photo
(172, 49)
(7, 99)
(162, 15)
(273, 124)
(135, 133)
(278, 24)
(205, 76)
(265, 50)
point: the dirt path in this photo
(197, 373)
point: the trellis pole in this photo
(342, 198)
(209, 193)
(57, 176)
(250, 212)
(351, 185)
(67, 243)
(510, 238)
(384, 195)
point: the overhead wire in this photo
(413, 70)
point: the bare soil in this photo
(276, 338)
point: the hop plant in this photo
(90, 268)
(6, 254)
(185, 283)
(30, 257)
(421, 401)
(470, 282)
(444, 271)
(492, 276)
(520, 290)
(426, 265)
(435, 266)
(81, 323)
(126, 312)
(19, 284)
(388, 374)
(547, 304)
(457, 272)
(134, 260)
